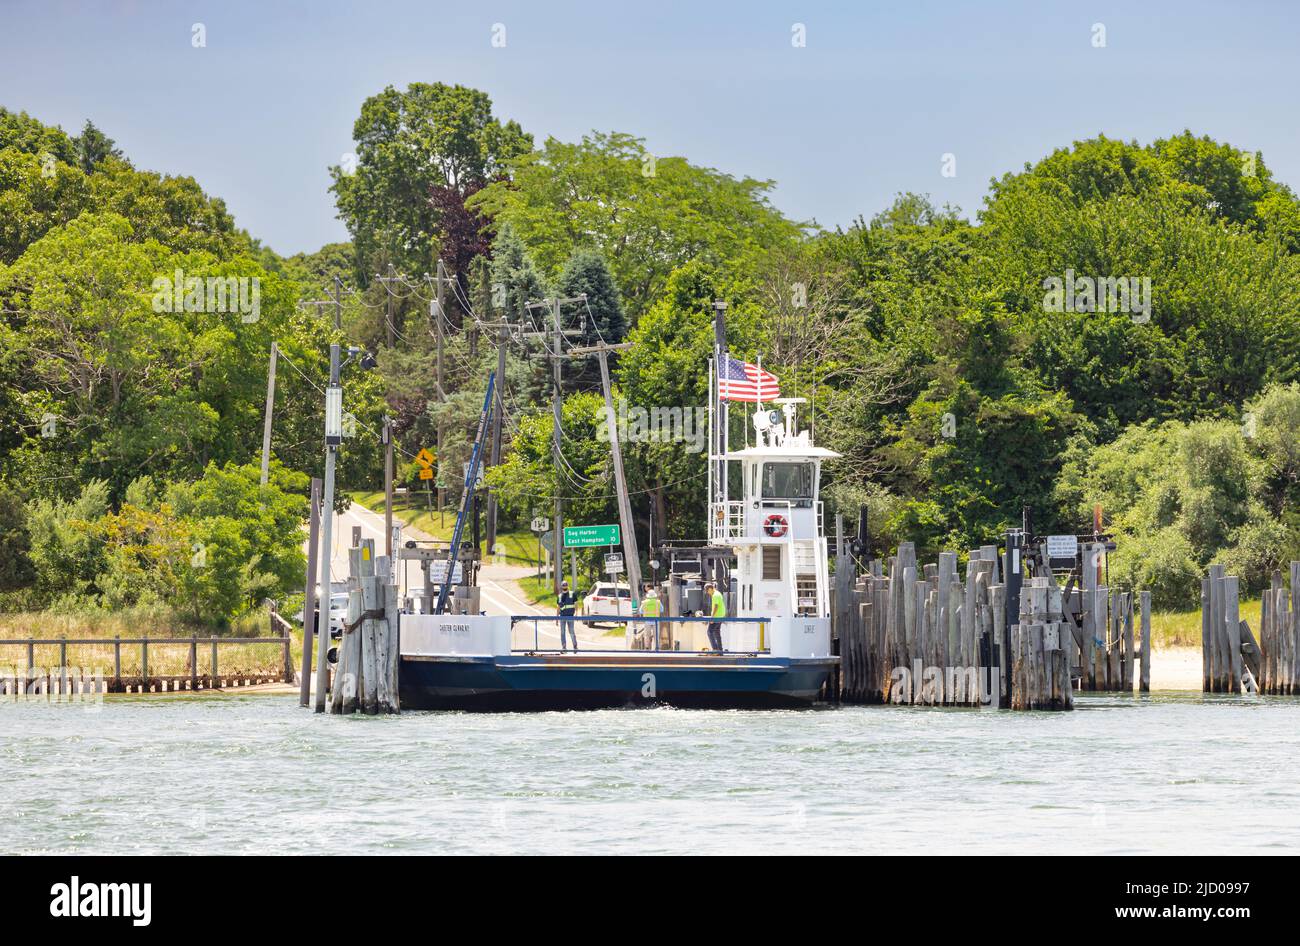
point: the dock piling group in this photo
(365, 679)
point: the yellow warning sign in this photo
(426, 474)
(425, 459)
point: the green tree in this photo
(16, 568)
(586, 273)
(408, 143)
(646, 215)
(94, 147)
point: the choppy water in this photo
(257, 774)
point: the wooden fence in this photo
(62, 680)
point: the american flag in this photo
(741, 381)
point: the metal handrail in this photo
(110, 641)
(538, 619)
(730, 524)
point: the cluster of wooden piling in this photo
(1041, 647)
(921, 636)
(1231, 658)
(365, 678)
(1279, 636)
(1229, 654)
(1107, 652)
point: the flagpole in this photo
(712, 363)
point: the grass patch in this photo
(540, 591)
(1183, 628)
(165, 658)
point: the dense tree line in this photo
(136, 323)
(1118, 324)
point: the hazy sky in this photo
(866, 109)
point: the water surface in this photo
(257, 774)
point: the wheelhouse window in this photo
(788, 481)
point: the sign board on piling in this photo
(1062, 546)
(582, 537)
(438, 573)
(614, 563)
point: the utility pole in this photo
(558, 333)
(442, 396)
(388, 316)
(309, 597)
(557, 534)
(270, 409)
(626, 522)
(388, 486)
(388, 423)
(497, 418)
(719, 404)
(333, 437)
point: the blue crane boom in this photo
(466, 497)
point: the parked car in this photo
(607, 599)
(338, 611)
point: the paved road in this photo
(498, 593)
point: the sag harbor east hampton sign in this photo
(581, 537)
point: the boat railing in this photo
(726, 521)
(750, 635)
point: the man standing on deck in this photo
(566, 603)
(650, 609)
(717, 611)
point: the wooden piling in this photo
(1232, 621)
(1145, 683)
(1127, 674)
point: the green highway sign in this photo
(581, 537)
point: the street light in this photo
(334, 415)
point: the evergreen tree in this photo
(601, 318)
(515, 280)
(94, 147)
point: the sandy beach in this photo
(1176, 668)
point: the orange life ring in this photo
(775, 525)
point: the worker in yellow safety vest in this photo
(717, 611)
(651, 608)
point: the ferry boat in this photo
(777, 649)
